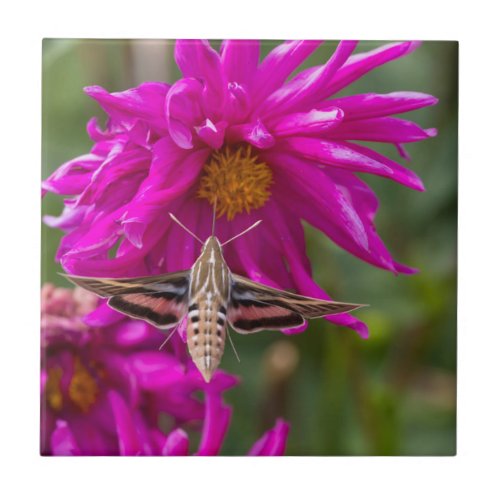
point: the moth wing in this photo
(254, 316)
(253, 301)
(160, 300)
(248, 314)
(174, 283)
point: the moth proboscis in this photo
(211, 297)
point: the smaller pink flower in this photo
(99, 385)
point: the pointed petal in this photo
(239, 60)
(309, 86)
(278, 65)
(313, 193)
(361, 106)
(360, 64)
(311, 122)
(176, 444)
(197, 59)
(215, 424)
(353, 157)
(273, 442)
(128, 438)
(147, 102)
(386, 129)
(62, 441)
(254, 133)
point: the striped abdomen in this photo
(206, 334)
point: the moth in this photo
(211, 297)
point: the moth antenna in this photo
(175, 219)
(232, 345)
(242, 233)
(169, 337)
(214, 216)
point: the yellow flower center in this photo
(53, 392)
(236, 178)
(83, 388)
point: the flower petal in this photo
(254, 133)
(384, 129)
(128, 439)
(360, 64)
(309, 86)
(73, 176)
(289, 228)
(239, 60)
(277, 66)
(144, 102)
(273, 442)
(297, 179)
(215, 424)
(184, 110)
(176, 444)
(156, 370)
(197, 59)
(62, 441)
(311, 122)
(353, 157)
(324, 195)
(361, 106)
(212, 134)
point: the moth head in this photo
(212, 243)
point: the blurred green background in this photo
(393, 394)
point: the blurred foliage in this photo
(393, 394)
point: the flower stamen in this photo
(83, 388)
(53, 393)
(237, 179)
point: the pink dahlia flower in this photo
(98, 383)
(264, 143)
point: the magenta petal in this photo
(312, 183)
(212, 134)
(352, 157)
(311, 122)
(302, 275)
(238, 104)
(156, 370)
(73, 176)
(146, 102)
(363, 106)
(309, 86)
(297, 179)
(62, 441)
(254, 133)
(215, 424)
(176, 444)
(70, 217)
(197, 59)
(128, 439)
(103, 315)
(239, 60)
(184, 110)
(130, 333)
(384, 129)
(273, 442)
(362, 63)
(278, 65)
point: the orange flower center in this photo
(82, 390)
(237, 179)
(53, 392)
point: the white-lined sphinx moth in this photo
(210, 296)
